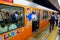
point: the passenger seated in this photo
(12, 26)
(3, 28)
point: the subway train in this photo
(16, 21)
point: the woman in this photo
(7, 17)
(3, 18)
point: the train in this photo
(21, 29)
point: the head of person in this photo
(16, 12)
(53, 13)
(19, 13)
(7, 13)
(2, 25)
(33, 12)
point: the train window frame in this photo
(16, 25)
(45, 17)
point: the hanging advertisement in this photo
(10, 1)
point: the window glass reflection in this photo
(11, 17)
(45, 15)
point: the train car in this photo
(20, 27)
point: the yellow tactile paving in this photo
(53, 34)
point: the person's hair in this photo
(53, 13)
(2, 25)
(7, 13)
(33, 12)
(16, 12)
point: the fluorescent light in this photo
(59, 2)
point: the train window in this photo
(45, 15)
(11, 17)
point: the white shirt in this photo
(56, 17)
(34, 17)
(16, 15)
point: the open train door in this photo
(36, 27)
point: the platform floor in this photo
(58, 36)
(41, 35)
(45, 35)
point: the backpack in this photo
(52, 18)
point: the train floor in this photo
(45, 35)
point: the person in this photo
(7, 16)
(13, 18)
(52, 22)
(56, 19)
(34, 21)
(59, 22)
(3, 28)
(16, 15)
(12, 26)
(1, 16)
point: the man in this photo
(34, 21)
(52, 21)
(56, 19)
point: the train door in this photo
(35, 25)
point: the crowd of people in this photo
(10, 19)
(54, 20)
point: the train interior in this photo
(7, 18)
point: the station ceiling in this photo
(52, 4)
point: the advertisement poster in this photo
(10, 1)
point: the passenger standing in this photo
(1, 16)
(52, 22)
(34, 21)
(13, 18)
(59, 22)
(7, 17)
(56, 19)
(4, 18)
